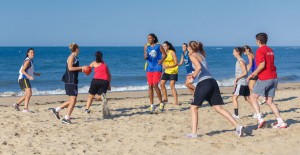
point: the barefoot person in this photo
(154, 55)
(267, 81)
(206, 89)
(26, 73)
(241, 87)
(100, 83)
(185, 60)
(170, 73)
(71, 81)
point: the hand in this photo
(83, 68)
(145, 55)
(190, 78)
(30, 77)
(235, 81)
(165, 66)
(109, 87)
(160, 62)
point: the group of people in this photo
(162, 66)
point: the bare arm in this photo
(25, 66)
(250, 63)
(92, 64)
(70, 64)
(197, 65)
(145, 52)
(259, 68)
(164, 55)
(181, 60)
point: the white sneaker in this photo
(235, 116)
(26, 111)
(279, 125)
(255, 116)
(239, 131)
(190, 135)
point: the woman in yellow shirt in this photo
(170, 65)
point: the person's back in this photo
(204, 73)
(266, 54)
(101, 72)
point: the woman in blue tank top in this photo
(186, 61)
(206, 89)
(154, 55)
(251, 65)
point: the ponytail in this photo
(201, 49)
(73, 47)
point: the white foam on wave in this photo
(85, 89)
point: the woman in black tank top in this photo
(71, 80)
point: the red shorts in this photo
(153, 77)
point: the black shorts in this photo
(207, 90)
(241, 90)
(166, 76)
(71, 89)
(254, 78)
(24, 83)
(98, 86)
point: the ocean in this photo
(126, 65)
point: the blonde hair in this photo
(197, 46)
(73, 47)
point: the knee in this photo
(150, 87)
(218, 108)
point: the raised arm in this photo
(181, 60)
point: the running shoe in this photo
(235, 116)
(239, 131)
(190, 135)
(16, 106)
(279, 125)
(66, 121)
(152, 109)
(255, 115)
(87, 111)
(26, 111)
(55, 113)
(261, 123)
(161, 106)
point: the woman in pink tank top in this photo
(100, 83)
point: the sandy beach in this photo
(132, 130)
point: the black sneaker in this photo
(87, 111)
(66, 121)
(55, 113)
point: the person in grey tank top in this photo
(206, 89)
(240, 83)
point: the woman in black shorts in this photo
(206, 89)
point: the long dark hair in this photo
(248, 48)
(99, 55)
(29, 49)
(154, 36)
(239, 50)
(171, 47)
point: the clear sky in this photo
(128, 22)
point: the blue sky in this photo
(127, 23)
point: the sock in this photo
(236, 112)
(279, 120)
(57, 109)
(67, 117)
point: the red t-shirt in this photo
(266, 54)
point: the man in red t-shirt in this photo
(267, 81)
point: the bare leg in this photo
(64, 105)
(254, 103)
(150, 91)
(21, 99)
(89, 101)
(164, 90)
(194, 113)
(174, 92)
(71, 105)
(235, 101)
(247, 98)
(158, 93)
(226, 114)
(27, 97)
(273, 107)
(190, 86)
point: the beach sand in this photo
(132, 130)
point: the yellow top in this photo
(169, 61)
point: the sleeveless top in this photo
(153, 56)
(169, 61)
(204, 73)
(29, 70)
(71, 77)
(239, 71)
(187, 63)
(101, 72)
(253, 67)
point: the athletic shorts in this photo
(241, 90)
(169, 77)
(207, 90)
(71, 89)
(265, 88)
(153, 77)
(98, 86)
(24, 83)
(254, 78)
